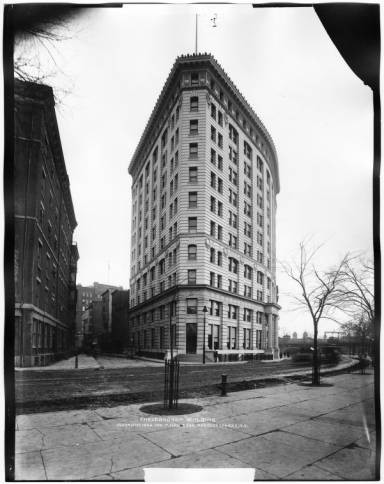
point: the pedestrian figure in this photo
(363, 363)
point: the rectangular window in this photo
(192, 306)
(193, 150)
(192, 199)
(233, 134)
(247, 271)
(193, 174)
(164, 138)
(192, 276)
(247, 170)
(219, 209)
(214, 309)
(194, 103)
(192, 252)
(192, 224)
(232, 286)
(219, 232)
(231, 338)
(247, 249)
(213, 111)
(213, 180)
(194, 78)
(248, 190)
(193, 127)
(233, 155)
(213, 134)
(247, 150)
(212, 279)
(213, 205)
(213, 156)
(219, 185)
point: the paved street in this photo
(34, 386)
(290, 432)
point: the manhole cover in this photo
(182, 409)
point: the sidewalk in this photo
(290, 432)
(85, 362)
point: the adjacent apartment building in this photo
(203, 250)
(45, 254)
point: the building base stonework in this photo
(39, 338)
(235, 327)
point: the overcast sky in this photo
(317, 111)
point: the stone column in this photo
(270, 331)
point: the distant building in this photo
(86, 295)
(294, 335)
(106, 299)
(92, 323)
(284, 339)
(120, 319)
(203, 251)
(45, 254)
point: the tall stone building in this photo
(203, 261)
(45, 254)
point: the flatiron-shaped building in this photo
(203, 251)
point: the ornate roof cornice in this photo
(190, 60)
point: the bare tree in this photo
(355, 293)
(355, 297)
(37, 30)
(318, 291)
(363, 329)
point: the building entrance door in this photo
(191, 337)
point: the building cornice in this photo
(203, 60)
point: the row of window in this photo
(147, 338)
(194, 81)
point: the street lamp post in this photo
(204, 311)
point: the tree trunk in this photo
(316, 369)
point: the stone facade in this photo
(205, 180)
(45, 254)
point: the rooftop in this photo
(207, 59)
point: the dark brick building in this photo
(45, 254)
(85, 296)
(120, 319)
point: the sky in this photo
(109, 72)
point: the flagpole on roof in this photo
(196, 34)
